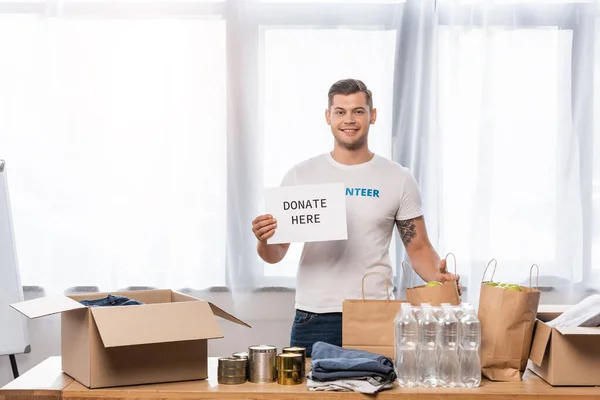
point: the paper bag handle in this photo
(454, 257)
(537, 278)
(493, 271)
(387, 292)
(412, 281)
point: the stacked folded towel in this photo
(339, 369)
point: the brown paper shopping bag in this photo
(368, 324)
(447, 292)
(507, 319)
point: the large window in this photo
(516, 120)
(139, 135)
(504, 163)
(114, 135)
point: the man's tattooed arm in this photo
(408, 231)
(423, 257)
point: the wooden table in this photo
(46, 382)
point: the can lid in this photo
(294, 349)
(241, 354)
(231, 361)
(262, 347)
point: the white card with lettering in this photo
(307, 213)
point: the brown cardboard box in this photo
(564, 356)
(163, 340)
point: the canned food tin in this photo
(289, 368)
(262, 360)
(244, 355)
(299, 350)
(231, 371)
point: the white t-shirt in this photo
(378, 193)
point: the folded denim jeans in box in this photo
(111, 301)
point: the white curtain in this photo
(113, 130)
(494, 113)
(139, 136)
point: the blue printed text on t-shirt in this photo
(365, 192)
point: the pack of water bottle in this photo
(437, 346)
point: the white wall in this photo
(270, 318)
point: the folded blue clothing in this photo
(110, 300)
(330, 369)
(330, 362)
(326, 350)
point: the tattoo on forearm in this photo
(408, 231)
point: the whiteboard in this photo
(14, 337)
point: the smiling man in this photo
(380, 194)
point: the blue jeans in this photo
(309, 328)
(333, 362)
(109, 301)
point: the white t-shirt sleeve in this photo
(290, 178)
(410, 200)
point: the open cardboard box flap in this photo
(541, 341)
(44, 306)
(578, 331)
(542, 332)
(225, 315)
(155, 323)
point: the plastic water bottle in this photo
(418, 311)
(439, 311)
(459, 310)
(428, 348)
(449, 363)
(406, 335)
(469, 361)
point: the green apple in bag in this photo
(513, 286)
(433, 283)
